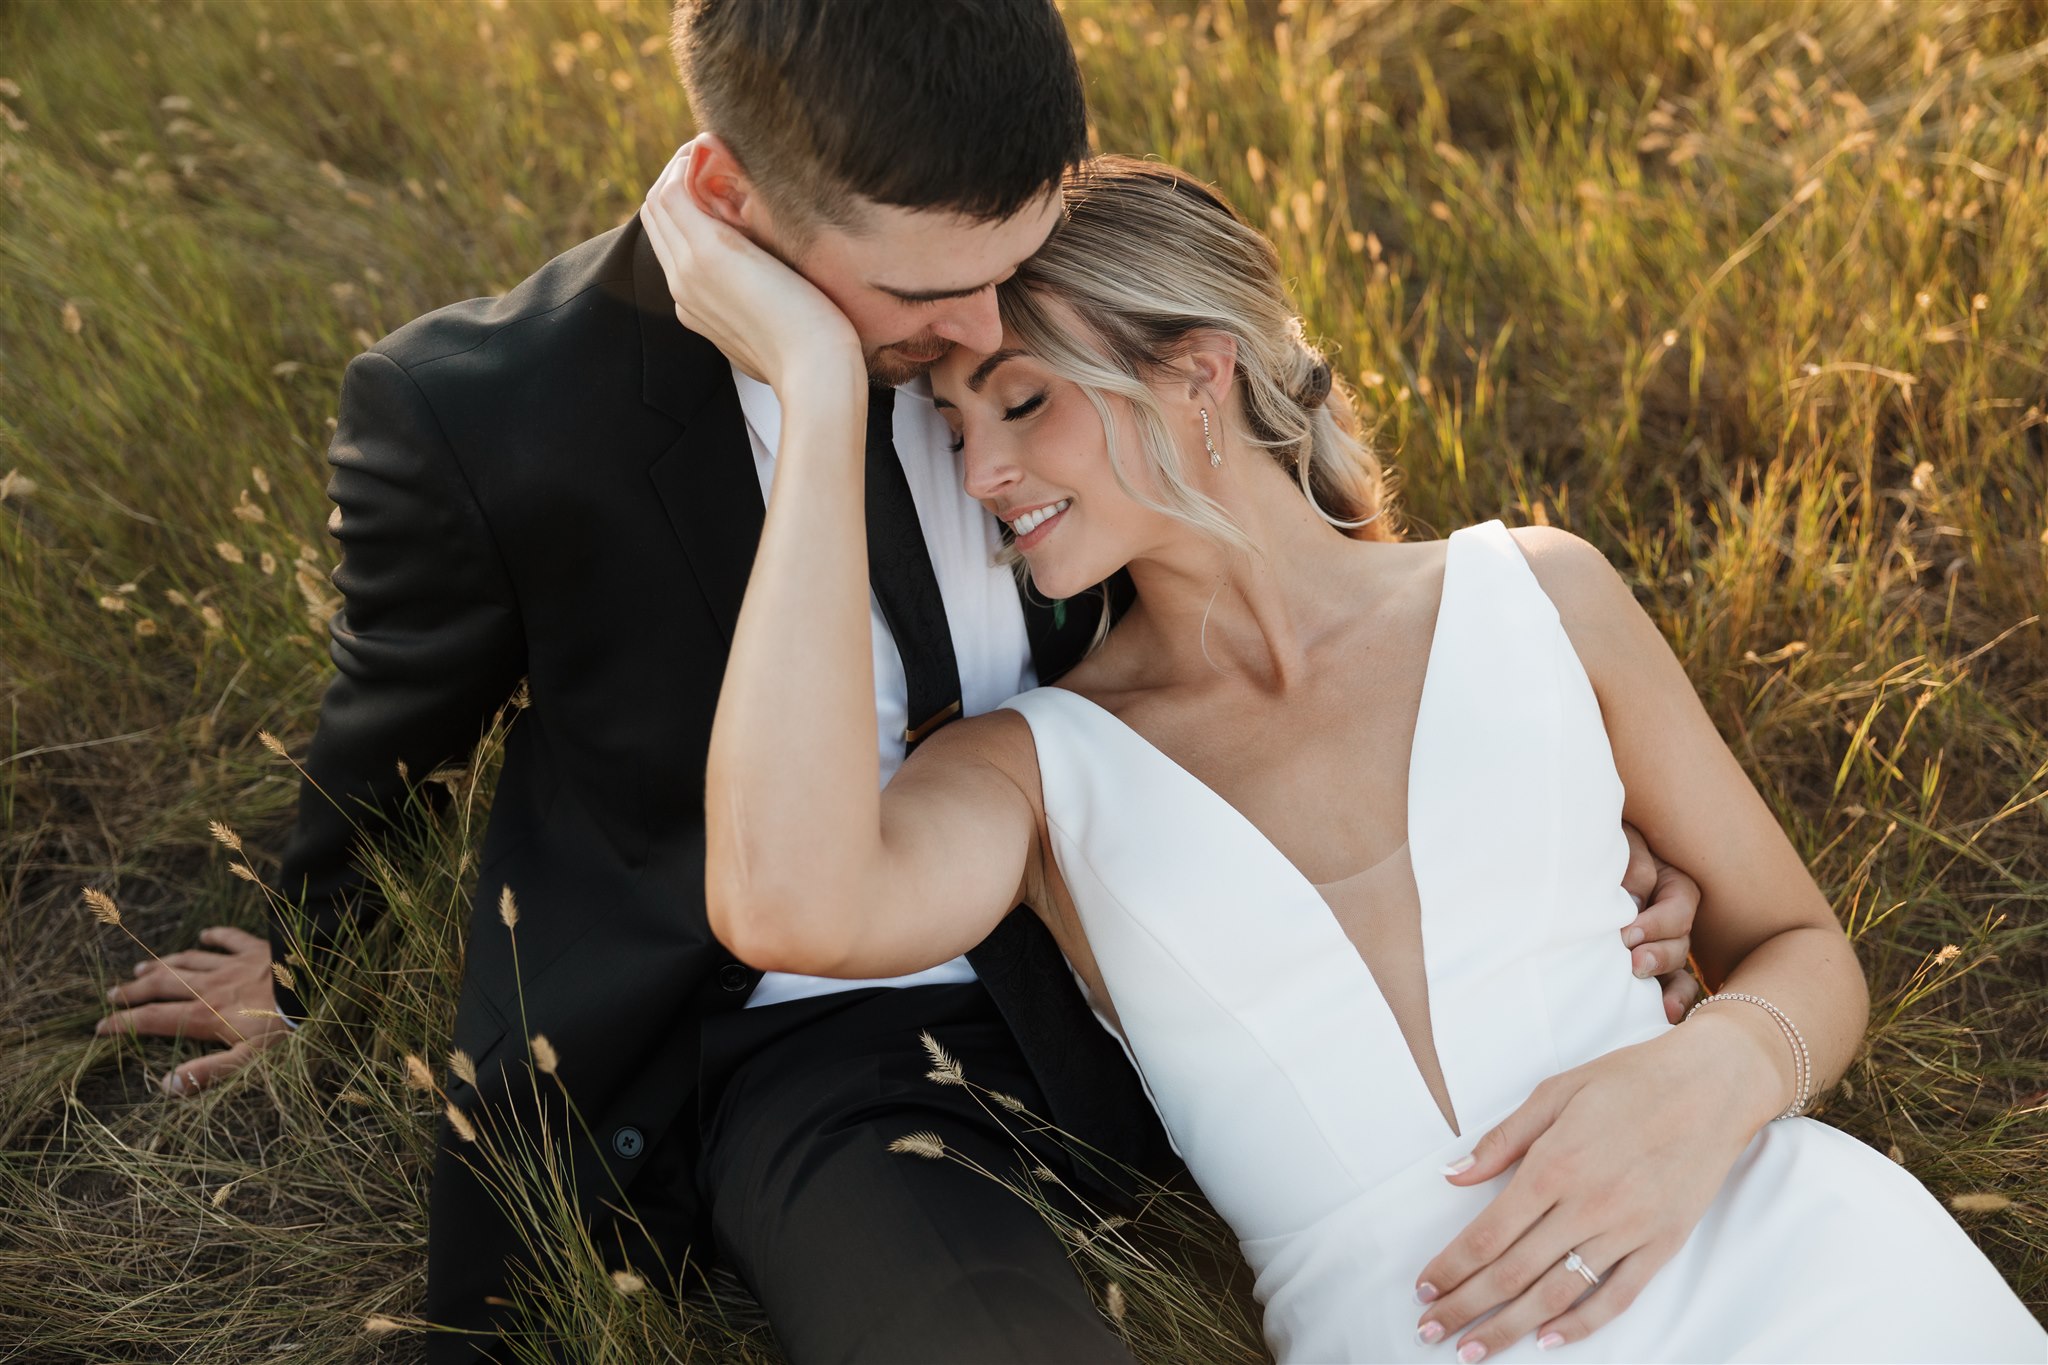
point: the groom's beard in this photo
(902, 361)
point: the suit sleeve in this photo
(427, 644)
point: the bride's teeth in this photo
(1032, 520)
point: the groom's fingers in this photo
(1681, 991)
(1659, 938)
(1639, 879)
(205, 1070)
(159, 984)
(183, 1018)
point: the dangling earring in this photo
(1215, 455)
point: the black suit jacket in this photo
(557, 486)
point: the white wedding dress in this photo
(1286, 1084)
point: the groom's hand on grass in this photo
(1660, 936)
(219, 994)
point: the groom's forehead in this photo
(922, 256)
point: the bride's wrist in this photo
(1745, 1061)
(818, 375)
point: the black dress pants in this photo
(860, 1254)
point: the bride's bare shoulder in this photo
(1601, 616)
(998, 740)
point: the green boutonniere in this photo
(1059, 614)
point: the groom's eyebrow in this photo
(931, 295)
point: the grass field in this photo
(1753, 296)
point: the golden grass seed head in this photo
(270, 742)
(282, 973)
(417, 1075)
(245, 872)
(508, 907)
(102, 906)
(377, 1325)
(15, 484)
(228, 550)
(926, 1144)
(223, 835)
(627, 1283)
(1113, 1301)
(1979, 1203)
(465, 1070)
(544, 1054)
(459, 1121)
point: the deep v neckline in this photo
(1429, 664)
(1313, 891)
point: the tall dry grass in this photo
(1750, 295)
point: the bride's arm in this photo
(808, 867)
(1615, 1164)
(1764, 927)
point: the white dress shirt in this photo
(982, 612)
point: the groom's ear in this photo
(719, 184)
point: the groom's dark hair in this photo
(972, 106)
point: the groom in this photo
(565, 487)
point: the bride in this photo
(1328, 826)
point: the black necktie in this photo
(900, 570)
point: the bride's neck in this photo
(1205, 607)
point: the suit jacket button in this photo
(734, 977)
(628, 1143)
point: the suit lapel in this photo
(706, 479)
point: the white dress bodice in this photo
(1283, 1078)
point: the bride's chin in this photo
(1054, 584)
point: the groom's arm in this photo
(427, 646)
(1660, 936)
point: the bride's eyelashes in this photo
(1025, 408)
(1017, 413)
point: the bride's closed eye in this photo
(1011, 414)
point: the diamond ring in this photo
(1574, 1263)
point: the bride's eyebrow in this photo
(981, 373)
(988, 367)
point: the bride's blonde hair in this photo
(1145, 258)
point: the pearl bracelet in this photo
(1802, 1061)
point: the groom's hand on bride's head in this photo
(218, 994)
(1659, 938)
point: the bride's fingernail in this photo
(174, 1084)
(1632, 936)
(1430, 1333)
(1471, 1352)
(1460, 1166)
(1644, 965)
(1550, 1341)
(1425, 1292)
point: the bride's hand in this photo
(766, 318)
(1617, 1165)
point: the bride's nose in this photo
(986, 470)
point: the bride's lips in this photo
(1039, 532)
